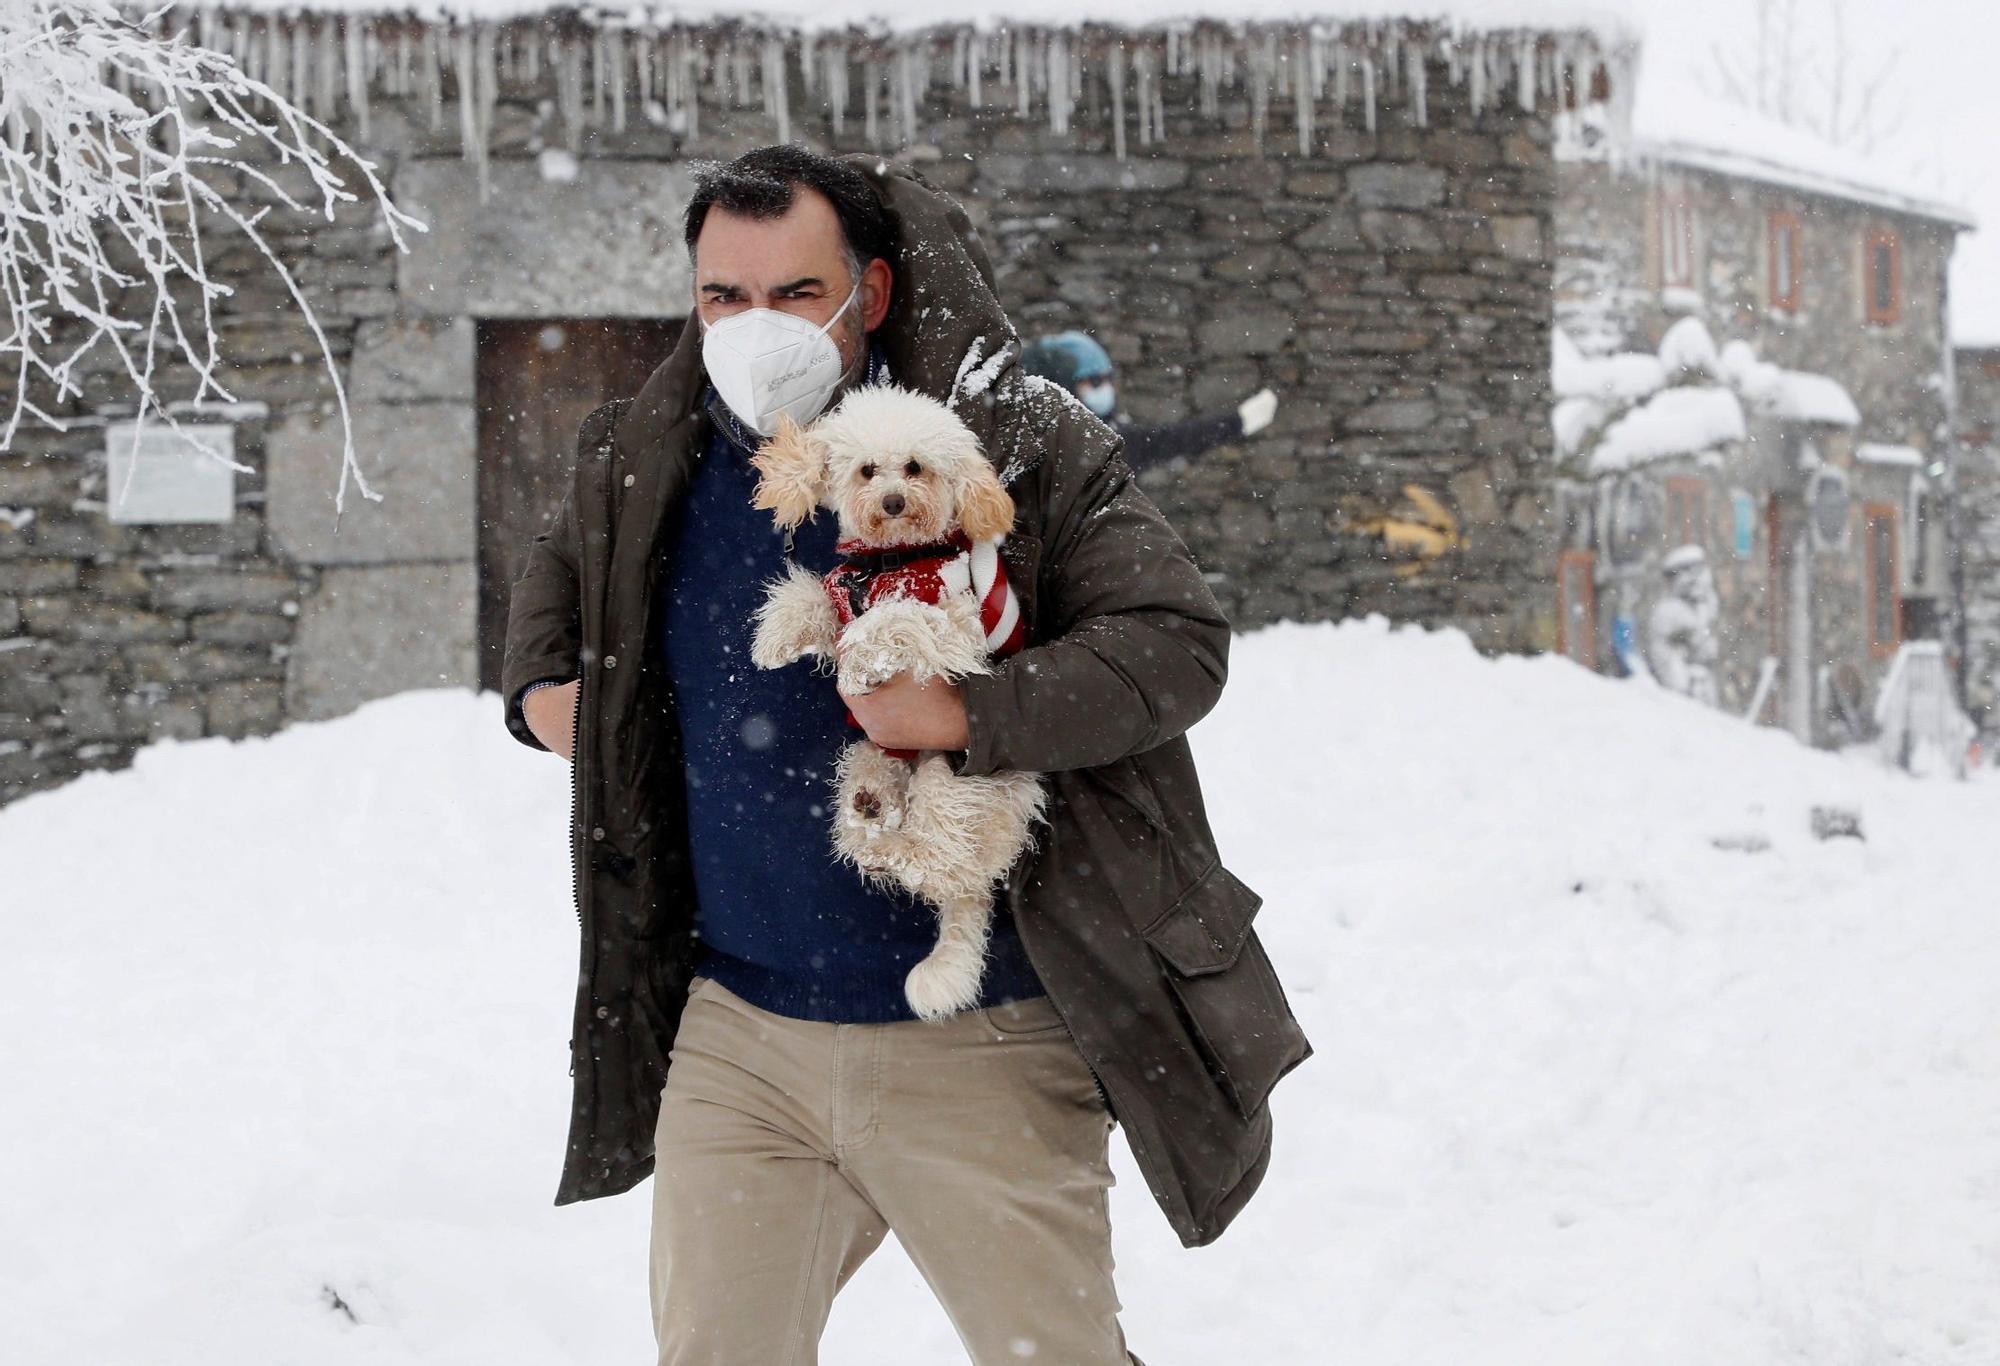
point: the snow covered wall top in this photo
(664, 62)
(903, 16)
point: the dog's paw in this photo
(936, 988)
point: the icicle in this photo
(471, 146)
(975, 65)
(1419, 85)
(1302, 95)
(301, 77)
(403, 85)
(809, 63)
(1260, 93)
(691, 57)
(357, 74)
(1478, 81)
(644, 56)
(872, 88)
(433, 77)
(1368, 93)
(531, 56)
(326, 61)
(1023, 93)
(773, 76)
(836, 85)
(568, 63)
(1524, 72)
(614, 75)
(1211, 76)
(739, 73)
(277, 64)
(599, 62)
(1114, 71)
(249, 53)
(1342, 60)
(1059, 86)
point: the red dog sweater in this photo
(869, 574)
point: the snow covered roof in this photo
(1677, 123)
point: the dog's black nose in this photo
(892, 503)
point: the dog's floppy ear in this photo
(984, 508)
(792, 470)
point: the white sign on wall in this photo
(171, 475)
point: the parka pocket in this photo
(1228, 992)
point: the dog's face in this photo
(898, 468)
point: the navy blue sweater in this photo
(781, 922)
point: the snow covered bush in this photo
(119, 144)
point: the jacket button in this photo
(630, 480)
(604, 1012)
(597, 832)
(611, 661)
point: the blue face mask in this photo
(1101, 398)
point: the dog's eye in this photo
(913, 469)
(867, 471)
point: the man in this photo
(805, 1113)
(1075, 361)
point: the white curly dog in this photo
(920, 588)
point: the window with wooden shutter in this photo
(1882, 277)
(1674, 217)
(1687, 511)
(1783, 261)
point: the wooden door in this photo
(537, 381)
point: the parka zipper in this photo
(576, 803)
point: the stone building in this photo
(1977, 523)
(1752, 361)
(1357, 212)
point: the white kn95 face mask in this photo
(767, 365)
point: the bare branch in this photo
(116, 140)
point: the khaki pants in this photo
(788, 1148)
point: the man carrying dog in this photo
(805, 1113)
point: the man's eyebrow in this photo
(800, 283)
(718, 287)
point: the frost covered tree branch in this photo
(118, 144)
(1840, 102)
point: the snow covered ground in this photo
(1616, 1062)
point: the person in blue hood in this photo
(1076, 362)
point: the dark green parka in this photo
(1141, 937)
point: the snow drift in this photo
(1616, 1061)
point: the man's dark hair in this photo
(762, 183)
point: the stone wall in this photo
(1977, 528)
(112, 636)
(1392, 285)
(1392, 288)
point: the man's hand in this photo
(551, 715)
(901, 714)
